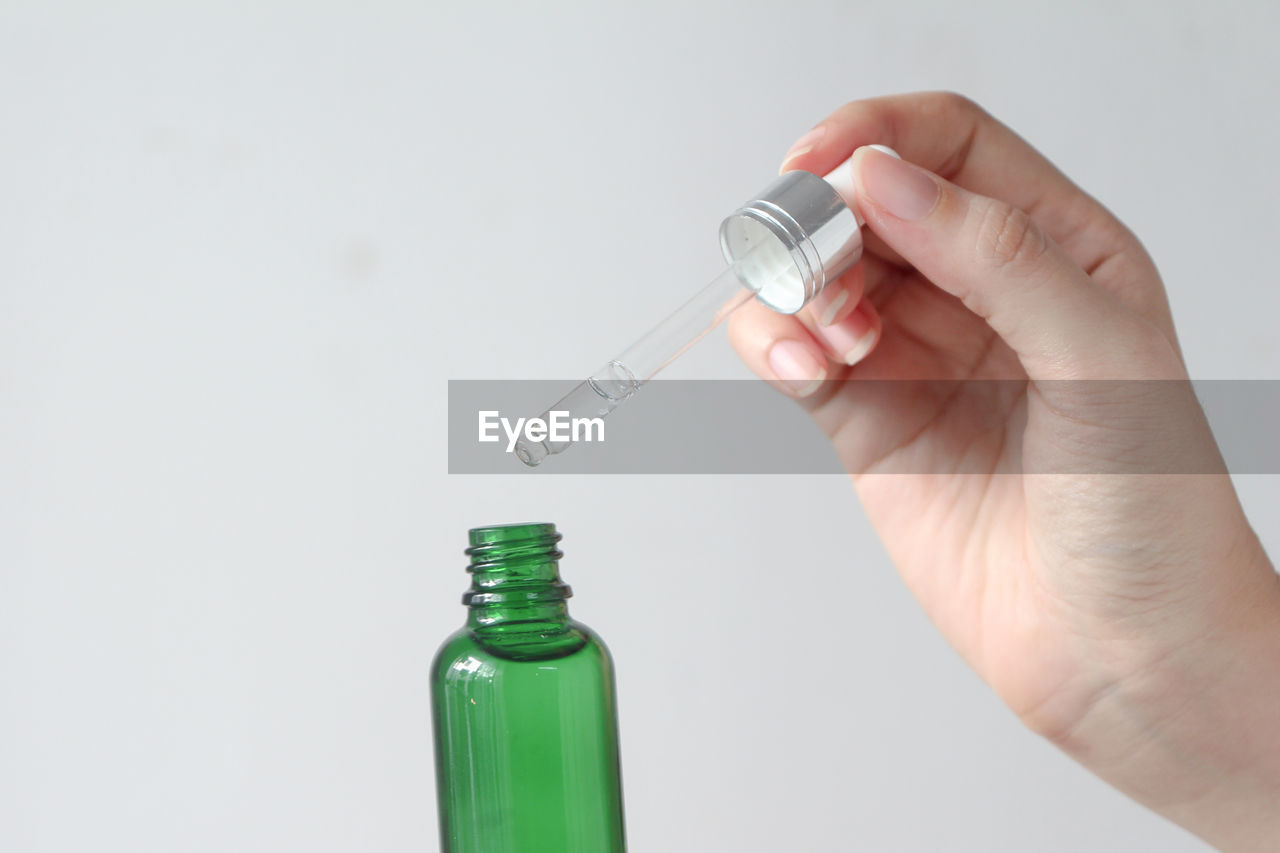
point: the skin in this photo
(1130, 617)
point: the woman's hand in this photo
(1130, 617)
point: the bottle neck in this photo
(516, 598)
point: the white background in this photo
(243, 248)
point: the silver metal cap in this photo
(789, 241)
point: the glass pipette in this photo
(619, 379)
(782, 247)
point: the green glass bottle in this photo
(526, 728)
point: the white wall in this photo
(242, 249)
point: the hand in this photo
(1130, 617)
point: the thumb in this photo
(1004, 268)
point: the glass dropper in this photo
(782, 247)
(619, 379)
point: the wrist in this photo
(1191, 726)
(1231, 732)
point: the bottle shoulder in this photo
(464, 649)
(456, 647)
(594, 640)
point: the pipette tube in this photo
(619, 379)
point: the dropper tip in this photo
(529, 453)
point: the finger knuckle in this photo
(1008, 238)
(951, 104)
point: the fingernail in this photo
(797, 367)
(803, 145)
(906, 191)
(829, 304)
(853, 337)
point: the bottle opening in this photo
(500, 534)
(517, 601)
(514, 563)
